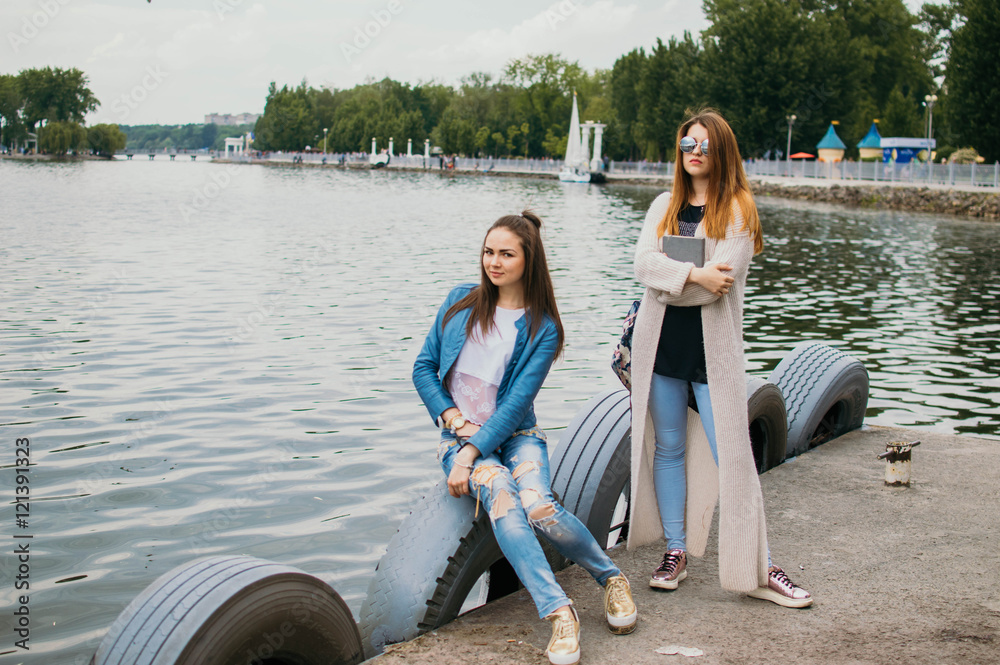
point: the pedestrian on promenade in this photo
(688, 338)
(478, 372)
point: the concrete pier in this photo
(900, 574)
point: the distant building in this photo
(831, 148)
(870, 147)
(904, 149)
(231, 118)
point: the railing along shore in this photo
(912, 173)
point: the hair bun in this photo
(532, 217)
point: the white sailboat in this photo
(577, 166)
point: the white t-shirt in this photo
(476, 375)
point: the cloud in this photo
(108, 47)
(568, 27)
(223, 60)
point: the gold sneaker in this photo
(564, 647)
(619, 608)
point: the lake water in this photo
(215, 359)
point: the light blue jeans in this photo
(668, 405)
(513, 486)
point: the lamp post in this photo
(929, 103)
(788, 149)
(325, 130)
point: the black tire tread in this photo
(588, 447)
(766, 402)
(193, 590)
(808, 376)
(422, 562)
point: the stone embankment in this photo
(918, 199)
(971, 202)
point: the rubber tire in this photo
(214, 611)
(592, 463)
(434, 560)
(768, 423)
(826, 394)
(429, 568)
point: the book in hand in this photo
(685, 249)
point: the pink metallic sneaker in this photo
(671, 570)
(782, 590)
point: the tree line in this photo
(51, 103)
(759, 62)
(193, 136)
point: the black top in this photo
(681, 352)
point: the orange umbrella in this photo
(801, 155)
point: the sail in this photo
(574, 147)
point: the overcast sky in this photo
(173, 61)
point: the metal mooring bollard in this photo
(897, 462)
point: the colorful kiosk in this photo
(903, 149)
(831, 148)
(870, 147)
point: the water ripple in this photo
(237, 379)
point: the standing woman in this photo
(478, 372)
(689, 336)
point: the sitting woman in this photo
(478, 372)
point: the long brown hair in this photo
(539, 296)
(727, 182)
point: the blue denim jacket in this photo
(528, 366)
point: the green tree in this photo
(972, 76)
(670, 83)
(901, 116)
(890, 50)
(499, 142)
(56, 95)
(512, 133)
(543, 85)
(11, 103)
(288, 122)
(767, 59)
(105, 140)
(60, 138)
(482, 139)
(554, 145)
(626, 76)
(381, 109)
(208, 135)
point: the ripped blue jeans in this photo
(513, 486)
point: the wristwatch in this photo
(456, 423)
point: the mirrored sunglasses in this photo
(688, 144)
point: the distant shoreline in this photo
(982, 203)
(55, 158)
(938, 200)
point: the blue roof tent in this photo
(872, 139)
(831, 141)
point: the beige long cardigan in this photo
(743, 549)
